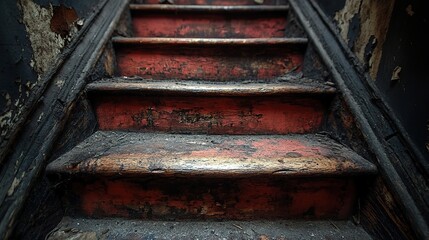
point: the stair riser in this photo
(222, 63)
(218, 2)
(203, 25)
(212, 115)
(213, 199)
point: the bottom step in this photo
(129, 229)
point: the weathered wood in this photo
(140, 86)
(213, 115)
(262, 230)
(209, 59)
(196, 198)
(217, 2)
(207, 8)
(37, 137)
(373, 116)
(293, 43)
(136, 154)
(209, 22)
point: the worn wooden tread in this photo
(168, 155)
(207, 8)
(266, 42)
(184, 230)
(136, 86)
(218, 2)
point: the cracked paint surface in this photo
(374, 19)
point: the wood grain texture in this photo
(208, 59)
(138, 86)
(136, 154)
(208, 21)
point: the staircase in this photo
(210, 131)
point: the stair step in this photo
(184, 230)
(199, 21)
(167, 155)
(218, 2)
(209, 58)
(253, 88)
(221, 108)
(164, 176)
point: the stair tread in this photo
(242, 88)
(219, 2)
(279, 229)
(266, 42)
(207, 8)
(139, 154)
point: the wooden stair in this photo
(210, 119)
(198, 107)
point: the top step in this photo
(218, 2)
(160, 20)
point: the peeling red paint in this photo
(220, 115)
(205, 199)
(218, 2)
(208, 62)
(209, 25)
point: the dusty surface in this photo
(228, 230)
(170, 176)
(113, 153)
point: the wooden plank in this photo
(215, 199)
(210, 115)
(136, 154)
(266, 42)
(141, 86)
(258, 229)
(36, 139)
(217, 2)
(211, 24)
(209, 59)
(207, 8)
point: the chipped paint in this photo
(46, 44)
(374, 17)
(15, 184)
(396, 73)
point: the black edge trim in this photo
(357, 95)
(44, 124)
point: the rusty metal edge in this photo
(32, 146)
(350, 80)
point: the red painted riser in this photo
(214, 199)
(222, 115)
(217, 2)
(223, 63)
(205, 25)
